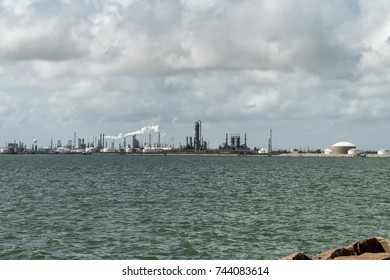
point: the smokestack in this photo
(197, 137)
(226, 143)
(200, 135)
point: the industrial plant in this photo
(198, 144)
(103, 144)
(342, 148)
(234, 144)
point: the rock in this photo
(371, 245)
(296, 256)
(324, 255)
(385, 244)
(334, 253)
(366, 249)
(340, 252)
(366, 256)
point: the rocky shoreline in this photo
(376, 248)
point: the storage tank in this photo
(383, 152)
(327, 151)
(342, 148)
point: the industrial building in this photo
(383, 152)
(342, 148)
(13, 148)
(198, 144)
(235, 143)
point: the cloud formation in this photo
(315, 71)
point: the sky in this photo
(315, 72)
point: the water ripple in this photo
(125, 207)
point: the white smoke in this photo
(146, 129)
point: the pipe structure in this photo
(197, 144)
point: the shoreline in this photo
(334, 155)
(212, 154)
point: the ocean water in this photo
(188, 207)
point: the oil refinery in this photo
(195, 144)
(131, 144)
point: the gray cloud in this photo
(239, 66)
(38, 33)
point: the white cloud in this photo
(113, 65)
(19, 8)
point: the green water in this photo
(188, 207)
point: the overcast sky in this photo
(316, 72)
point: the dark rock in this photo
(334, 253)
(296, 256)
(371, 245)
(340, 252)
(366, 256)
(366, 249)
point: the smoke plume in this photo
(146, 129)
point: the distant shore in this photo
(333, 155)
(215, 153)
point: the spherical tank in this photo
(342, 148)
